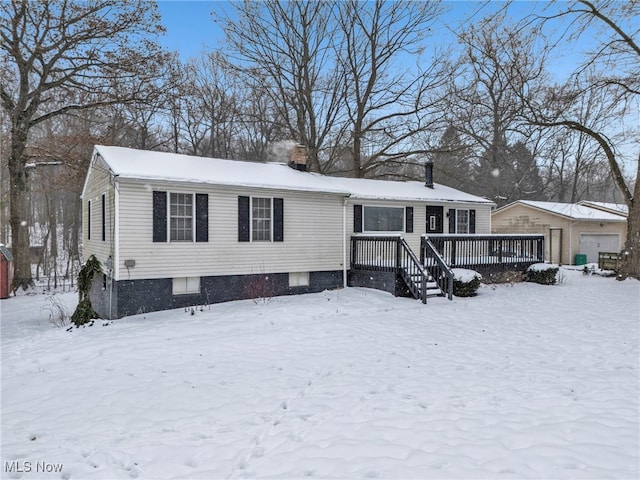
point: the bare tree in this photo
(388, 103)
(98, 53)
(613, 69)
(286, 47)
(497, 64)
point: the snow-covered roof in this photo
(620, 208)
(150, 165)
(573, 211)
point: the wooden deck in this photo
(388, 263)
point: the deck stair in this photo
(414, 284)
(388, 263)
(416, 277)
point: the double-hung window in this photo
(261, 219)
(181, 217)
(462, 221)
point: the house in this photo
(569, 229)
(175, 230)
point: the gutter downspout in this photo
(116, 229)
(344, 242)
(115, 243)
(571, 261)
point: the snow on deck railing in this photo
(466, 250)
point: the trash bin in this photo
(581, 259)
(6, 271)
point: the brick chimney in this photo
(428, 174)
(298, 158)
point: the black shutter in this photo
(159, 216)
(243, 219)
(89, 220)
(357, 218)
(472, 221)
(452, 220)
(104, 217)
(278, 220)
(408, 212)
(202, 217)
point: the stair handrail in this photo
(429, 250)
(417, 265)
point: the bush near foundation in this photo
(465, 282)
(543, 273)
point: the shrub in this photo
(58, 313)
(84, 312)
(260, 288)
(465, 282)
(543, 273)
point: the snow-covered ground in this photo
(522, 381)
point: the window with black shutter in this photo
(89, 220)
(243, 219)
(357, 218)
(408, 222)
(180, 217)
(159, 216)
(104, 217)
(462, 221)
(260, 219)
(278, 220)
(202, 217)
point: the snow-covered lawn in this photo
(522, 381)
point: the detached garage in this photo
(569, 229)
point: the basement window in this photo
(186, 285)
(298, 279)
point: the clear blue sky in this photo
(190, 26)
(191, 30)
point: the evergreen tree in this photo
(452, 162)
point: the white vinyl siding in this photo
(310, 239)
(98, 184)
(313, 232)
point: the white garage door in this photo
(592, 243)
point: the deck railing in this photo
(500, 251)
(393, 254)
(412, 271)
(378, 253)
(437, 267)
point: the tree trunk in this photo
(19, 211)
(631, 259)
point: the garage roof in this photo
(571, 210)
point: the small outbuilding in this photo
(6, 272)
(574, 233)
